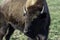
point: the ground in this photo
(54, 34)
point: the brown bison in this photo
(29, 16)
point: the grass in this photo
(54, 8)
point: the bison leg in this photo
(10, 32)
(3, 31)
(1, 36)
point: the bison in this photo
(29, 16)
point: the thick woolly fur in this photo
(34, 2)
(13, 11)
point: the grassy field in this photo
(54, 8)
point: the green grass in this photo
(54, 8)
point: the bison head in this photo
(31, 11)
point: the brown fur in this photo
(32, 7)
(36, 3)
(14, 10)
(14, 14)
(11, 12)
